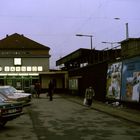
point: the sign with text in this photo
(21, 69)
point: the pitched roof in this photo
(17, 41)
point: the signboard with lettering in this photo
(21, 69)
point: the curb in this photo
(123, 113)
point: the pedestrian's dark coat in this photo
(38, 88)
(51, 89)
(89, 93)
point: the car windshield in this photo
(6, 91)
(1, 99)
(12, 89)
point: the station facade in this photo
(24, 62)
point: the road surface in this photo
(62, 119)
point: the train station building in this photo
(24, 62)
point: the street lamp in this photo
(127, 28)
(111, 43)
(80, 35)
(112, 48)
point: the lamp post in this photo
(90, 36)
(111, 43)
(127, 28)
(112, 48)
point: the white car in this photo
(12, 94)
(21, 92)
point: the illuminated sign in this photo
(29, 68)
(12, 68)
(17, 61)
(21, 68)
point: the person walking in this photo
(33, 91)
(38, 89)
(89, 94)
(51, 90)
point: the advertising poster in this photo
(131, 80)
(114, 80)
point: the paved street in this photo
(63, 119)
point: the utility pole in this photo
(127, 31)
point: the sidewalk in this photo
(117, 111)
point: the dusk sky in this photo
(55, 23)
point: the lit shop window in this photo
(17, 61)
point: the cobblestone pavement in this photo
(18, 129)
(64, 119)
(124, 112)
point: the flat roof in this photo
(81, 52)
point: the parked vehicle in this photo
(9, 111)
(17, 90)
(9, 93)
(21, 92)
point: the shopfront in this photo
(19, 82)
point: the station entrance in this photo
(19, 82)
